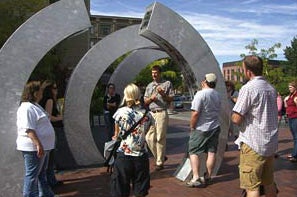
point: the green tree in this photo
(265, 54)
(15, 12)
(291, 55)
(170, 71)
(275, 75)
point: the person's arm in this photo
(295, 100)
(285, 101)
(105, 103)
(167, 95)
(118, 100)
(116, 131)
(237, 118)
(194, 120)
(49, 109)
(147, 98)
(32, 135)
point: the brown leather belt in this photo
(157, 110)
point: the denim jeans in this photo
(50, 172)
(35, 181)
(293, 128)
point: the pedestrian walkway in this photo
(91, 182)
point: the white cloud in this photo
(228, 32)
(117, 13)
(228, 36)
(260, 9)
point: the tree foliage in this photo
(15, 12)
(291, 55)
(170, 71)
(275, 75)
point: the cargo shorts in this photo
(254, 169)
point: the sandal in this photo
(195, 183)
(293, 159)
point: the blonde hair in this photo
(132, 95)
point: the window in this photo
(105, 29)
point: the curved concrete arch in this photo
(18, 57)
(185, 45)
(81, 86)
(132, 65)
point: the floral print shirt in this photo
(126, 117)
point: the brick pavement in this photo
(91, 182)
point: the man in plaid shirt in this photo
(256, 113)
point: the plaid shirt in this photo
(257, 104)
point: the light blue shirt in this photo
(208, 103)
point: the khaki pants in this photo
(156, 136)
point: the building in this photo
(233, 71)
(104, 25)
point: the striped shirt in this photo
(257, 104)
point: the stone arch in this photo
(186, 46)
(18, 57)
(81, 86)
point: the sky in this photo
(227, 26)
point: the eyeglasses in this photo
(55, 88)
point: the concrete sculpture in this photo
(161, 29)
(184, 45)
(81, 86)
(18, 58)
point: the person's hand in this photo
(60, 117)
(115, 137)
(153, 97)
(161, 90)
(40, 151)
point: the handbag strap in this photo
(119, 139)
(133, 127)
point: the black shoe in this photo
(159, 167)
(207, 179)
(58, 183)
(165, 158)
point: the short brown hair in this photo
(29, 90)
(254, 63)
(157, 67)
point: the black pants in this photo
(129, 169)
